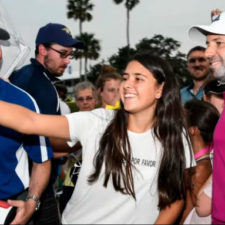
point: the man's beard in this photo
(49, 65)
(219, 73)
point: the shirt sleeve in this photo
(84, 124)
(189, 155)
(79, 125)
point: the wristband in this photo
(36, 199)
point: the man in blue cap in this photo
(214, 35)
(54, 50)
(15, 149)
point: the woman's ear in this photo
(159, 91)
(193, 130)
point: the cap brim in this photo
(4, 35)
(199, 32)
(70, 43)
(79, 44)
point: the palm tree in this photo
(80, 10)
(91, 51)
(129, 4)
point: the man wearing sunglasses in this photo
(54, 50)
(198, 67)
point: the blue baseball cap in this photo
(4, 35)
(59, 34)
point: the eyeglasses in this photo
(63, 54)
(199, 59)
(87, 99)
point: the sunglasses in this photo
(199, 59)
(87, 99)
(63, 54)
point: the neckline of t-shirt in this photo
(142, 133)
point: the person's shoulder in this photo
(23, 74)
(184, 89)
(103, 114)
(16, 95)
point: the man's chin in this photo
(59, 74)
(200, 78)
(219, 74)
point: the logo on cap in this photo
(220, 83)
(216, 18)
(67, 30)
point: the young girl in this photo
(202, 118)
(134, 159)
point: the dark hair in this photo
(202, 115)
(115, 147)
(196, 48)
(100, 83)
(47, 45)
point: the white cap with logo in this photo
(199, 32)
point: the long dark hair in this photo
(202, 115)
(115, 149)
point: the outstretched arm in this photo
(28, 122)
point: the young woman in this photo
(202, 118)
(134, 159)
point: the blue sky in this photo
(170, 18)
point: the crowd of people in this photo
(139, 150)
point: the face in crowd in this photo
(198, 65)
(110, 93)
(86, 100)
(215, 52)
(139, 90)
(56, 58)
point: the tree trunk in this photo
(85, 65)
(128, 28)
(80, 60)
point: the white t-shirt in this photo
(94, 203)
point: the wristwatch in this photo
(36, 199)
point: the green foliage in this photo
(79, 10)
(91, 51)
(167, 48)
(120, 59)
(129, 4)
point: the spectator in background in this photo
(54, 50)
(86, 96)
(198, 67)
(15, 149)
(202, 118)
(215, 52)
(213, 93)
(108, 89)
(86, 99)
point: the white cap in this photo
(198, 32)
